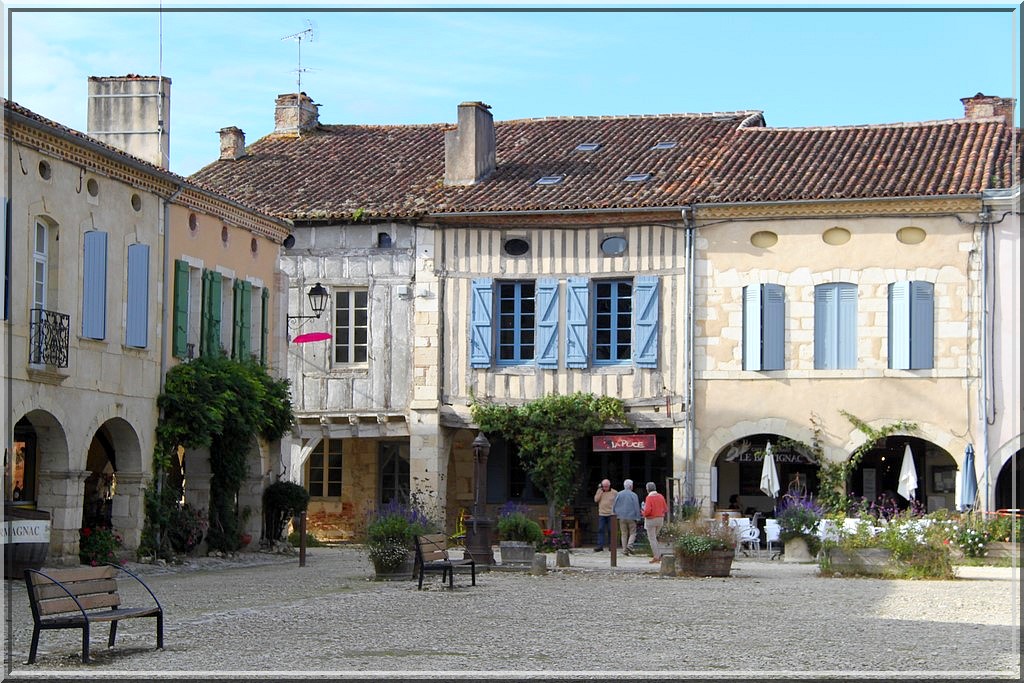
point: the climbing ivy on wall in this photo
(220, 404)
(546, 430)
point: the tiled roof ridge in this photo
(621, 117)
(878, 126)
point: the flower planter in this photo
(870, 561)
(1001, 550)
(403, 572)
(713, 563)
(796, 551)
(517, 553)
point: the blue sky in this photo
(802, 66)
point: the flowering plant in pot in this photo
(799, 517)
(389, 538)
(703, 549)
(98, 545)
(519, 535)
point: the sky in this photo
(801, 64)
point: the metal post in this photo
(614, 532)
(302, 538)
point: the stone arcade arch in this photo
(737, 471)
(1010, 476)
(115, 481)
(876, 477)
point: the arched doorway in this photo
(737, 472)
(1005, 482)
(876, 477)
(101, 462)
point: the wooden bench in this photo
(432, 556)
(78, 597)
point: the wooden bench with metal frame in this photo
(432, 556)
(78, 597)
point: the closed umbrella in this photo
(908, 475)
(769, 475)
(969, 480)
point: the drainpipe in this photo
(688, 336)
(986, 229)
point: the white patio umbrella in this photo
(968, 481)
(908, 475)
(769, 475)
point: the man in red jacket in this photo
(655, 508)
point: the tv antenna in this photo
(309, 34)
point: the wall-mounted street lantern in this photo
(478, 535)
(318, 297)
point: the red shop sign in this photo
(624, 442)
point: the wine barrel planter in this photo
(869, 561)
(403, 572)
(713, 563)
(26, 540)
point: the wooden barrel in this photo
(26, 540)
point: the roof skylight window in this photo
(550, 180)
(667, 144)
(588, 146)
(638, 177)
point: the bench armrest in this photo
(136, 577)
(34, 600)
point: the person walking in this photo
(627, 509)
(655, 508)
(605, 499)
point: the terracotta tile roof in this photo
(894, 160)
(397, 171)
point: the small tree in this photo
(546, 431)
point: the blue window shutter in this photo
(752, 327)
(922, 325)
(847, 334)
(547, 323)
(264, 325)
(825, 327)
(179, 323)
(899, 325)
(577, 306)
(481, 311)
(645, 321)
(137, 319)
(94, 285)
(773, 327)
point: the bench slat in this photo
(48, 590)
(75, 574)
(94, 601)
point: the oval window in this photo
(93, 187)
(516, 246)
(137, 202)
(911, 235)
(44, 170)
(764, 239)
(254, 245)
(614, 246)
(224, 234)
(836, 236)
(193, 222)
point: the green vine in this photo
(546, 431)
(833, 476)
(221, 404)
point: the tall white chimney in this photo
(469, 149)
(133, 114)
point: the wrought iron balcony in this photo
(49, 332)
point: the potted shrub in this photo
(798, 518)
(703, 549)
(519, 537)
(389, 540)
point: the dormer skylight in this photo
(588, 146)
(550, 180)
(667, 144)
(638, 177)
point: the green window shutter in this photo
(236, 320)
(264, 325)
(179, 324)
(245, 316)
(211, 312)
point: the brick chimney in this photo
(986, 106)
(133, 114)
(469, 155)
(295, 113)
(232, 143)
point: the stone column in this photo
(128, 509)
(62, 494)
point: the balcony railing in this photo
(49, 332)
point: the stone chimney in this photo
(986, 106)
(133, 114)
(295, 113)
(232, 143)
(469, 149)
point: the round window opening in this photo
(911, 235)
(193, 222)
(836, 236)
(93, 187)
(137, 202)
(764, 239)
(44, 170)
(516, 246)
(614, 246)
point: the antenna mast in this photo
(307, 33)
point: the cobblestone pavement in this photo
(264, 616)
